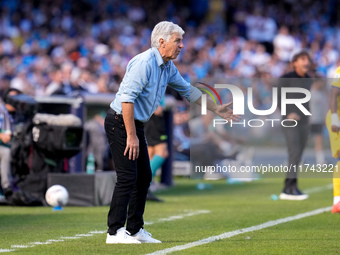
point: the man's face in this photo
(173, 47)
(302, 64)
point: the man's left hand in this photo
(226, 113)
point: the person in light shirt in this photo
(139, 95)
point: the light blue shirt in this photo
(145, 81)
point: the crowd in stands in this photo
(86, 45)
(61, 46)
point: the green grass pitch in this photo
(231, 207)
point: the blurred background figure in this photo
(333, 126)
(318, 108)
(6, 130)
(284, 44)
(181, 134)
(297, 134)
(56, 81)
(97, 143)
(155, 133)
(207, 147)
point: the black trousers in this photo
(296, 140)
(133, 177)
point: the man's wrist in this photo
(213, 108)
(335, 120)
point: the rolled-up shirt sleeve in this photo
(184, 88)
(136, 77)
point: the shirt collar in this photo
(159, 58)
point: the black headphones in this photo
(6, 94)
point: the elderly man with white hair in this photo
(139, 95)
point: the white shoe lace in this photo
(127, 234)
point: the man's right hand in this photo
(132, 147)
(132, 142)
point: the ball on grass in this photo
(56, 195)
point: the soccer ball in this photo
(56, 195)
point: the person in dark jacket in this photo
(297, 136)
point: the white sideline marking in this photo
(39, 243)
(69, 237)
(55, 240)
(81, 235)
(20, 246)
(241, 231)
(318, 189)
(6, 250)
(177, 217)
(97, 232)
(91, 233)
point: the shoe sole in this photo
(108, 241)
(284, 196)
(120, 243)
(149, 242)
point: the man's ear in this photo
(161, 42)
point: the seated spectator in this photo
(284, 44)
(6, 129)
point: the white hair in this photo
(164, 30)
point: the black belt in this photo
(138, 123)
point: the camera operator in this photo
(6, 129)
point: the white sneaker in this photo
(145, 237)
(122, 236)
(213, 176)
(284, 196)
(296, 195)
